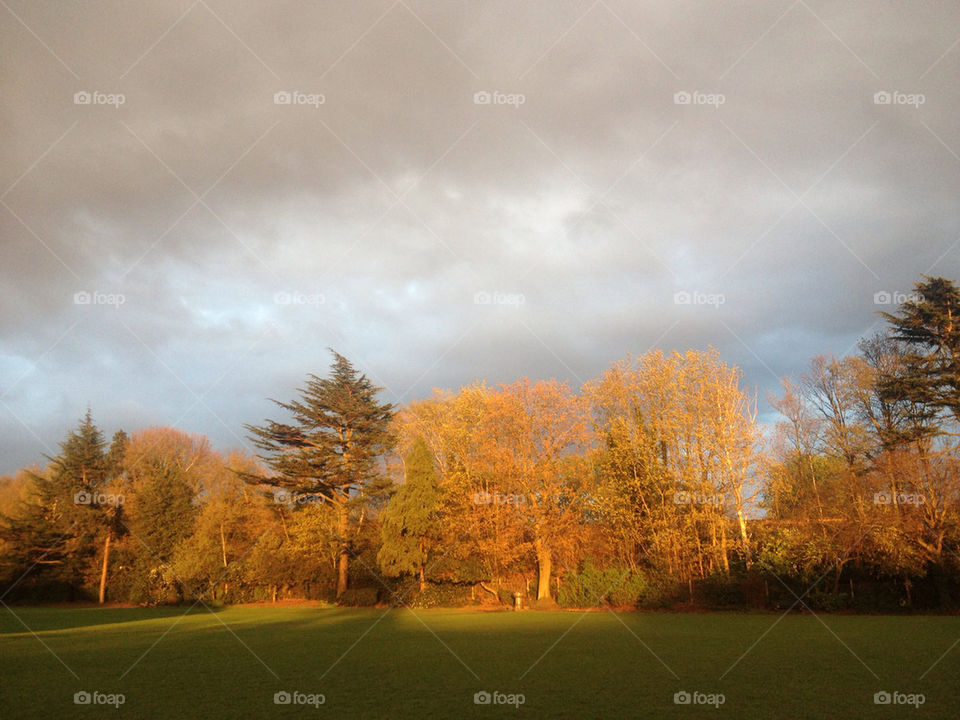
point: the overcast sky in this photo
(198, 198)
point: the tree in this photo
(680, 449)
(535, 431)
(165, 470)
(929, 326)
(340, 432)
(410, 523)
(67, 514)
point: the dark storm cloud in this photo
(245, 236)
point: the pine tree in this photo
(57, 531)
(410, 523)
(333, 447)
(929, 327)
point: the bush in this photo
(358, 597)
(827, 601)
(442, 595)
(592, 586)
(720, 591)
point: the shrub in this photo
(720, 591)
(591, 586)
(442, 595)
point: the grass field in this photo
(397, 664)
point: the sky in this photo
(197, 199)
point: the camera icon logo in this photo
(882, 498)
(482, 298)
(82, 98)
(482, 698)
(282, 497)
(682, 98)
(282, 98)
(882, 698)
(682, 498)
(81, 298)
(682, 298)
(82, 698)
(882, 98)
(882, 298)
(82, 497)
(682, 698)
(482, 98)
(282, 698)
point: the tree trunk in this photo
(343, 559)
(103, 572)
(544, 559)
(723, 549)
(223, 545)
(744, 537)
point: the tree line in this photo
(653, 485)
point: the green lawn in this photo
(397, 664)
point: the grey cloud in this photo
(398, 198)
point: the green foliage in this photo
(929, 381)
(720, 591)
(57, 531)
(410, 524)
(442, 595)
(592, 586)
(338, 433)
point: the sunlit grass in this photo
(396, 664)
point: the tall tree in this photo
(333, 447)
(61, 523)
(166, 470)
(929, 325)
(410, 524)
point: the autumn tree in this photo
(679, 460)
(534, 434)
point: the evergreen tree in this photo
(55, 535)
(929, 327)
(333, 447)
(410, 523)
